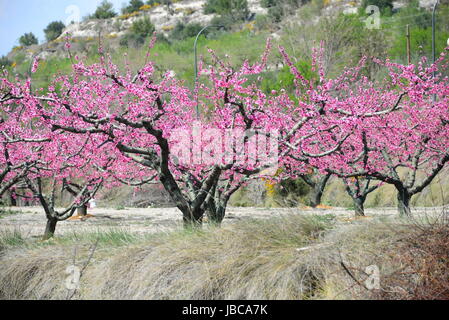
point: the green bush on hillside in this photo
(140, 30)
(28, 39)
(54, 30)
(4, 62)
(165, 2)
(225, 22)
(143, 27)
(134, 5)
(104, 11)
(286, 3)
(277, 9)
(234, 10)
(184, 31)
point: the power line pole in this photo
(433, 39)
(409, 60)
(433, 31)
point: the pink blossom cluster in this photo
(104, 124)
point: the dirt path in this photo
(31, 220)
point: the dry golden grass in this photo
(290, 257)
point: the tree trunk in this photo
(192, 220)
(217, 215)
(50, 228)
(404, 198)
(318, 190)
(12, 199)
(359, 206)
(315, 197)
(82, 211)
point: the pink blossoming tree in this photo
(104, 126)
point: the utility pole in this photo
(409, 60)
(433, 39)
(433, 31)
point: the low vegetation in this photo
(288, 257)
(54, 30)
(104, 11)
(28, 39)
(6, 212)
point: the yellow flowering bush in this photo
(129, 15)
(145, 7)
(167, 28)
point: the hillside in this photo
(166, 17)
(282, 22)
(111, 30)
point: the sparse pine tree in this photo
(238, 9)
(143, 27)
(134, 5)
(54, 30)
(28, 39)
(5, 62)
(104, 11)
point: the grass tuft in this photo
(11, 238)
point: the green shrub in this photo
(276, 13)
(263, 22)
(296, 187)
(286, 3)
(143, 27)
(166, 2)
(28, 39)
(5, 62)
(182, 31)
(134, 5)
(138, 33)
(237, 10)
(268, 3)
(104, 11)
(279, 8)
(54, 30)
(131, 40)
(226, 22)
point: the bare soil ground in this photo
(31, 220)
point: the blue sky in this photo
(20, 16)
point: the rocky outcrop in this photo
(162, 16)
